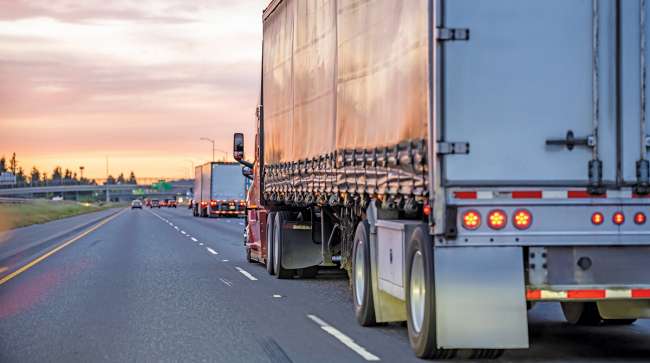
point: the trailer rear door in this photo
(531, 71)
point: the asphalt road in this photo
(162, 285)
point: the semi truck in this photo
(219, 190)
(462, 160)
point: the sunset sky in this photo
(137, 81)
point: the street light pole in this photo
(213, 148)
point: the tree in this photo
(20, 177)
(110, 180)
(120, 179)
(132, 179)
(57, 175)
(44, 176)
(3, 164)
(67, 176)
(13, 164)
(35, 177)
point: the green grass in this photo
(15, 215)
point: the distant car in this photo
(148, 203)
(163, 203)
(155, 203)
(136, 204)
(172, 203)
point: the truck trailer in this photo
(463, 160)
(219, 190)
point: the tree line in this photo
(58, 176)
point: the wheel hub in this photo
(359, 273)
(417, 293)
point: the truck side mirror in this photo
(238, 146)
(246, 171)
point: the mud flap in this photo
(480, 298)
(298, 249)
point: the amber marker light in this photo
(597, 218)
(471, 220)
(522, 219)
(497, 219)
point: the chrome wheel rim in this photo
(417, 291)
(276, 247)
(359, 273)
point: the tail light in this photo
(522, 219)
(639, 218)
(213, 203)
(618, 218)
(471, 220)
(497, 219)
(597, 218)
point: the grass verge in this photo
(28, 212)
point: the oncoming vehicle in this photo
(136, 204)
(432, 152)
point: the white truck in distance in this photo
(219, 190)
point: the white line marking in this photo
(176, 228)
(277, 296)
(212, 251)
(201, 244)
(194, 239)
(183, 232)
(346, 340)
(228, 283)
(225, 260)
(241, 223)
(246, 273)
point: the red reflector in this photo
(471, 220)
(522, 219)
(641, 293)
(597, 218)
(527, 194)
(465, 195)
(586, 294)
(583, 194)
(618, 218)
(533, 295)
(497, 219)
(639, 218)
(426, 210)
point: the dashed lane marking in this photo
(194, 239)
(212, 251)
(346, 340)
(183, 232)
(226, 282)
(246, 273)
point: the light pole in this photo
(214, 148)
(212, 141)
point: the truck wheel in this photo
(581, 313)
(420, 298)
(280, 272)
(364, 307)
(270, 221)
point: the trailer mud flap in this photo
(298, 249)
(480, 297)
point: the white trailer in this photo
(463, 159)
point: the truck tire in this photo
(280, 272)
(586, 313)
(420, 298)
(364, 307)
(270, 222)
(581, 313)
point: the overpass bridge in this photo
(115, 192)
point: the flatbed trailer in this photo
(462, 160)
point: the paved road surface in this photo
(164, 286)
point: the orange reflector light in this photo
(618, 218)
(497, 219)
(471, 220)
(639, 218)
(426, 210)
(522, 219)
(597, 218)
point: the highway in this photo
(161, 285)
